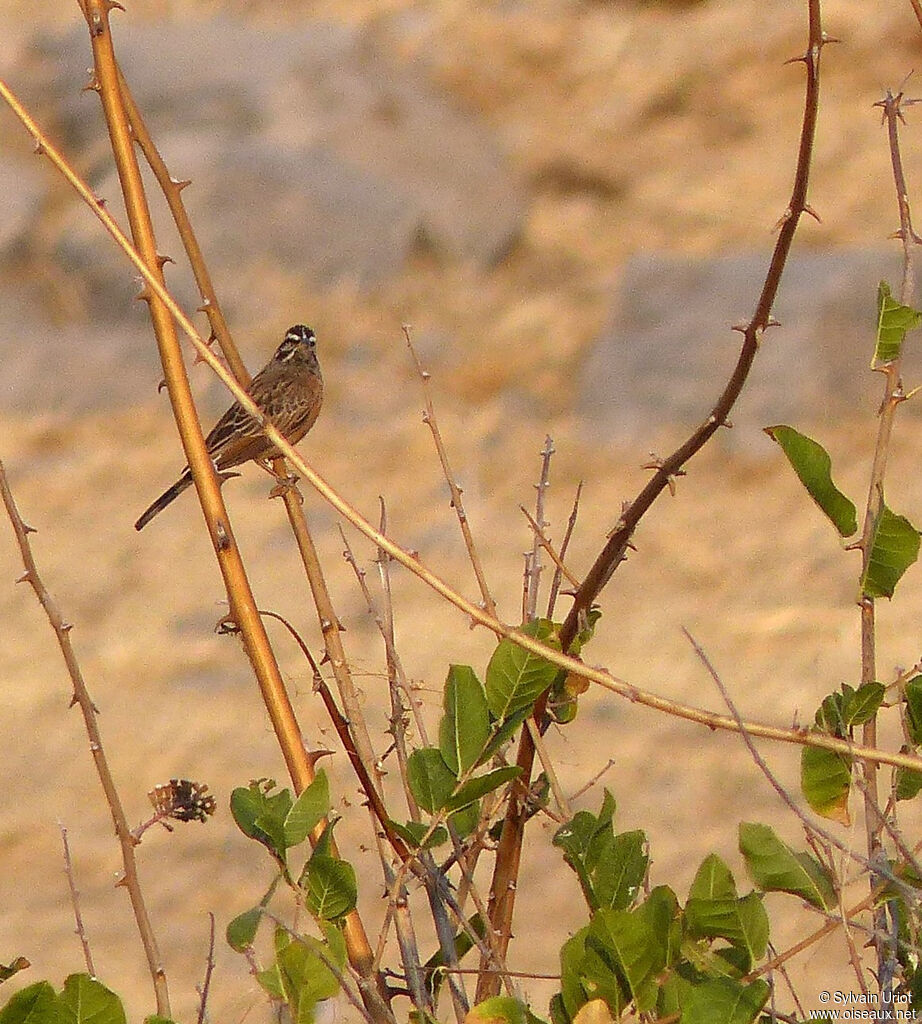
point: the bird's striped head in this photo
(299, 342)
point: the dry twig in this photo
(81, 697)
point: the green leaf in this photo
(628, 943)
(261, 816)
(893, 321)
(723, 1001)
(498, 1008)
(826, 779)
(85, 999)
(311, 807)
(330, 887)
(912, 695)
(431, 780)
(755, 927)
(618, 875)
(707, 961)
(503, 732)
(830, 715)
(585, 839)
(741, 921)
(516, 677)
(908, 782)
(155, 1018)
(586, 834)
(465, 725)
(776, 868)
(466, 820)
(300, 975)
(413, 833)
(474, 789)
(661, 910)
(894, 548)
(241, 931)
(572, 954)
(35, 1004)
(864, 703)
(714, 881)
(813, 466)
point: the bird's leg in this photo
(224, 475)
(283, 482)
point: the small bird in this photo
(288, 389)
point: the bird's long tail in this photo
(161, 503)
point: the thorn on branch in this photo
(657, 464)
(783, 219)
(809, 210)
(180, 183)
(226, 625)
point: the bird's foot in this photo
(284, 484)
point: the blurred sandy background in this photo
(571, 203)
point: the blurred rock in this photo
(668, 350)
(314, 148)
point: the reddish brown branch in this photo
(502, 894)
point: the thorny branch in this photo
(81, 697)
(665, 473)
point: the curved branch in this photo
(502, 895)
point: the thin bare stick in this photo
(75, 902)
(892, 399)
(429, 419)
(398, 903)
(548, 766)
(559, 570)
(541, 539)
(811, 940)
(209, 970)
(425, 869)
(916, 10)
(406, 940)
(908, 893)
(853, 955)
(594, 781)
(82, 699)
(782, 970)
(535, 567)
